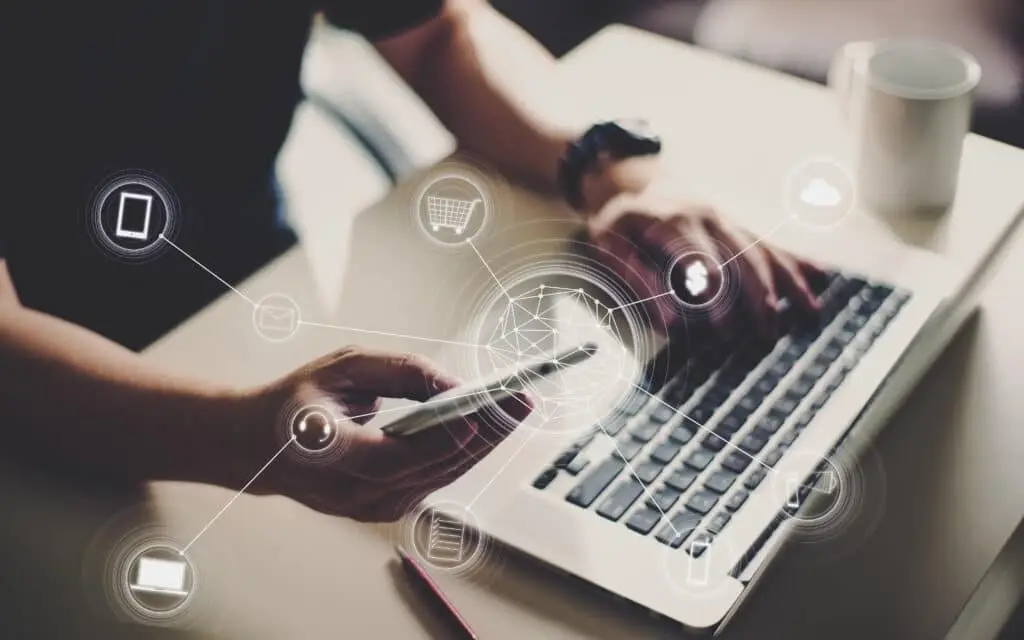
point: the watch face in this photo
(637, 138)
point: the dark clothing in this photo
(200, 93)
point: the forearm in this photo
(491, 85)
(73, 399)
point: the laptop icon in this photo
(155, 575)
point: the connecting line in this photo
(235, 497)
(754, 243)
(397, 335)
(512, 457)
(630, 304)
(489, 270)
(203, 267)
(727, 442)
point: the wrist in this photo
(612, 177)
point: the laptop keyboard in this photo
(687, 457)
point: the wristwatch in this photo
(614, 139)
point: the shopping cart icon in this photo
(450, 213)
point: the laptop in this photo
(678, 496)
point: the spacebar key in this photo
(584, 494)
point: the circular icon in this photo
(696, 561)
(819, 193)
(158, 580)
(446, 536)
(696, 280)
(132, 214)
(314, 429)
(813, 496)
(276, 317)
(452, 209)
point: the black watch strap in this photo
(614, 138)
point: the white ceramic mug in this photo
(909, 103)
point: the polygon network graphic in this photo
(542, 323)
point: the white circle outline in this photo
(255, 317)
(787, 193)
(722, 281)
(486, 202)
(309, 409)
(133, 602)
(467, 518)
(152, 183)
(836, 498)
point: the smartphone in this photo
(467, 400)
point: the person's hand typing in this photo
(644, 233)
(372, 477)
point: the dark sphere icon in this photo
(314, 429)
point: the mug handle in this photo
(846, 77)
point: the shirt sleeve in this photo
(378, 19)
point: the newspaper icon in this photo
(447, 539)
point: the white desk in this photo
(942, 484)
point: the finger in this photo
(792, 282)
(360, 408)
(374, 456)
(384, 373)
(639, 276)
(759, 294)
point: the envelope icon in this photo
(276, 319)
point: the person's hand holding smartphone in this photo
(375, 476)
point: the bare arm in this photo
(70, 398)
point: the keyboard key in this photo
(720, 481)
(578, 464)
(699, 544)
(620, 499)
(736, 462)
(681, 479)
(643, 520)
(713, 443)
(766, 384)
(753, 444)
(736, 500)
(770, 423)
(646, 472)
(627, 449)
(788, 438)
(663, 498)
(751, 400)
(700, 414)
(645, 431)
(702, 502)
(800, 388)
(816, 370)
(566, 457)
(545, 478)
(595, 482)
(666, 451)
(678, 528)
(772, 457)
(755, 478)
(662, 414)
(805, 419)
(718, 522)
(681, 434)
(730, 424)
(715, 396)
(613, 427)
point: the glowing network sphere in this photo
(544, 321)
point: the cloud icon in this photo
(819, 193)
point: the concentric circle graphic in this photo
(314, 429)
(131, 213)
(445, 536)
(150, 578)
(540, 307)
(276, 317)
(819, 193)
(453, 205)
(816, 499)
(310, 429)
(696, 280)
(697, 563)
